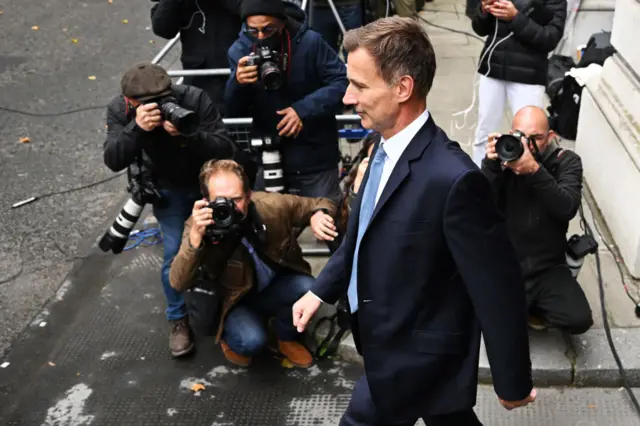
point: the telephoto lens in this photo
(186, 121)
(509, 147)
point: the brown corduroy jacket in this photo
(231, 266)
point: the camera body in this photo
(509, 147)
(269, 71)
(226, 217)
(186, 121)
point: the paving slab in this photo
(595, 364)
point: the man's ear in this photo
(404, 88)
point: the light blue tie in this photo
(366, 211)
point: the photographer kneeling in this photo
(176, 129)
(250, 253)
(538, 186)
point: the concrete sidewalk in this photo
(557, 359)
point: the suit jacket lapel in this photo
(414, 150)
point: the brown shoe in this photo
(234, 358)
(296, 353)
(180, 341)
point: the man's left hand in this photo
(290, 125)
(503, 10)
(170, 128)
(323, 227)
(526, 164)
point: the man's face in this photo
(229, 186)
(374, 101)
(534, 129)
(262, 27)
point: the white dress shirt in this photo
(394, 147)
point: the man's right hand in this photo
(304, 309)
(246, 74)
(202, 216)
(491, 146)
(148, 117)
(510, 405)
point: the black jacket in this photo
(315, 85)
(200, 50)
(177, 160)
(538, 207)
(522, 58)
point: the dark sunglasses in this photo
(267, 31)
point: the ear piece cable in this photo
(204, 19)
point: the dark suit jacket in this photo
(435, 268)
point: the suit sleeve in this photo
(332, 282)
(495, 175)
(477, 238)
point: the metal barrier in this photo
(240, 128)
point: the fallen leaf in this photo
(152, 41)
(74, 40)
(125, 21)
(110, 1)
(592, 406)
(1, 12)
(197, 387)
(35, 28)
(92, 77)
(52, 364)
(286, 363)
(25, 140)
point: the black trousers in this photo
(362, 412)
(557, 298)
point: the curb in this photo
(557, 360)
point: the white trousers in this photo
(492, 95)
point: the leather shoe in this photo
(180, 340)
(296, 353)
(234, 358)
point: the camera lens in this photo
(221, 214)
(186, 121)
(509, 148)
(271, 76)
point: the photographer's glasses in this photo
(267, 31)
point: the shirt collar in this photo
(396, 144)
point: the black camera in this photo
(226, 217)
(186, 121)
(509, 147)
(269, 72)
(143, 191)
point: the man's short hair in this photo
(214, 167)
(399, 46)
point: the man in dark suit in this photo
(426, 261)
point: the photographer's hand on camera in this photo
(526, 164)
(291, 124)
(491, 146)
(246, 74)
(202, 217)
(170, 128)
(148, 117)
(323, 226)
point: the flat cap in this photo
(145, 81)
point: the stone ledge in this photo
(581, 361)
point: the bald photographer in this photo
(538, 187)
(242, 246)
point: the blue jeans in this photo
(244, 329)
(173, 212)
(324, 22)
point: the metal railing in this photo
(239, 128)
